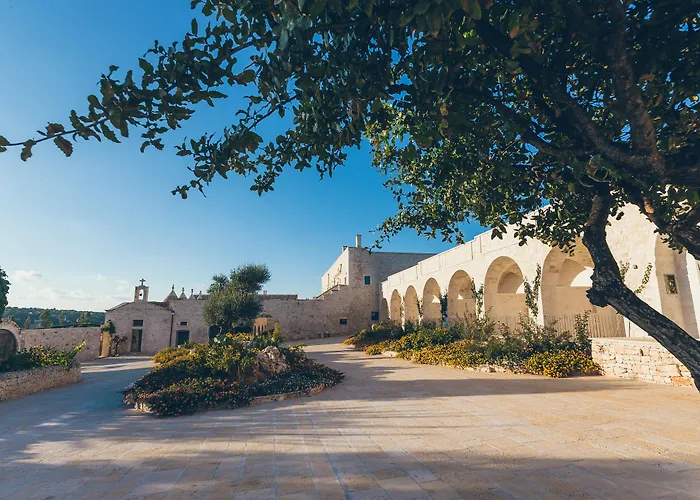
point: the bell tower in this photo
(141, 292)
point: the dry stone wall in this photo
(65, 339)
(639, 359)
(18, 384)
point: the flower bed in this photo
(478, 344)
(230, 372)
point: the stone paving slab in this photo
(392, 430)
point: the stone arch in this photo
(504, 295)
(9, 338)
(395, 311)
(384, 311)
(410, 305)
(432, 312)
(565, 280)
(460, 299)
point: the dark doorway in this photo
(213, 332)
(183, 336)
(8, 344)
(136, 336)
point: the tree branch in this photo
(643, 133)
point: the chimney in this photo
(358, 241)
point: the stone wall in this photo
(639, 359)
(18, 384)
(65, 339)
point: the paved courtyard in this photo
(391, 430)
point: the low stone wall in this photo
(639, 359)
(65, 339)
(18, 384)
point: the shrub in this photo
(375, 349)
(476, 341)
(460, 354)
(38, 357)
(222, 374)
(277, 333)
(539, 339)
(170, 353)
(193, 394)
(559, 364)
(108, 327)
(425, 337)
(476, 328)
(378, 333)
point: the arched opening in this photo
(395, 312)
(460, 299)
(8, 343)
(410, 305)
(504, 295)
(432, 312)
(384, 311)
(565, 280)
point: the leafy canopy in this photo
(475, 108)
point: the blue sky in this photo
(79, 232)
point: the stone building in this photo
(362, 287)
(502, 266)
(349, 301)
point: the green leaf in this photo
(195, 27)
(247, 76)
(64, 145)
(145, 65)
(109, 133)
(475, 9)
(3, 141)
(422, 7)
(27, 150)
(230, 15)
(316, 8)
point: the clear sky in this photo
(79, 232)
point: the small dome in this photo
(172, 295)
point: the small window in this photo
(368, 280)
(183, 323)
(375, 315)
(671, 286)
(343, 321)
(138, 322)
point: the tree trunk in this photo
(608, 288)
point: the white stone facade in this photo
(502, 265)
(362, 287)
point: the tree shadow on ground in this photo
(90, 445)
(332, 469)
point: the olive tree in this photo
(234, 299)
